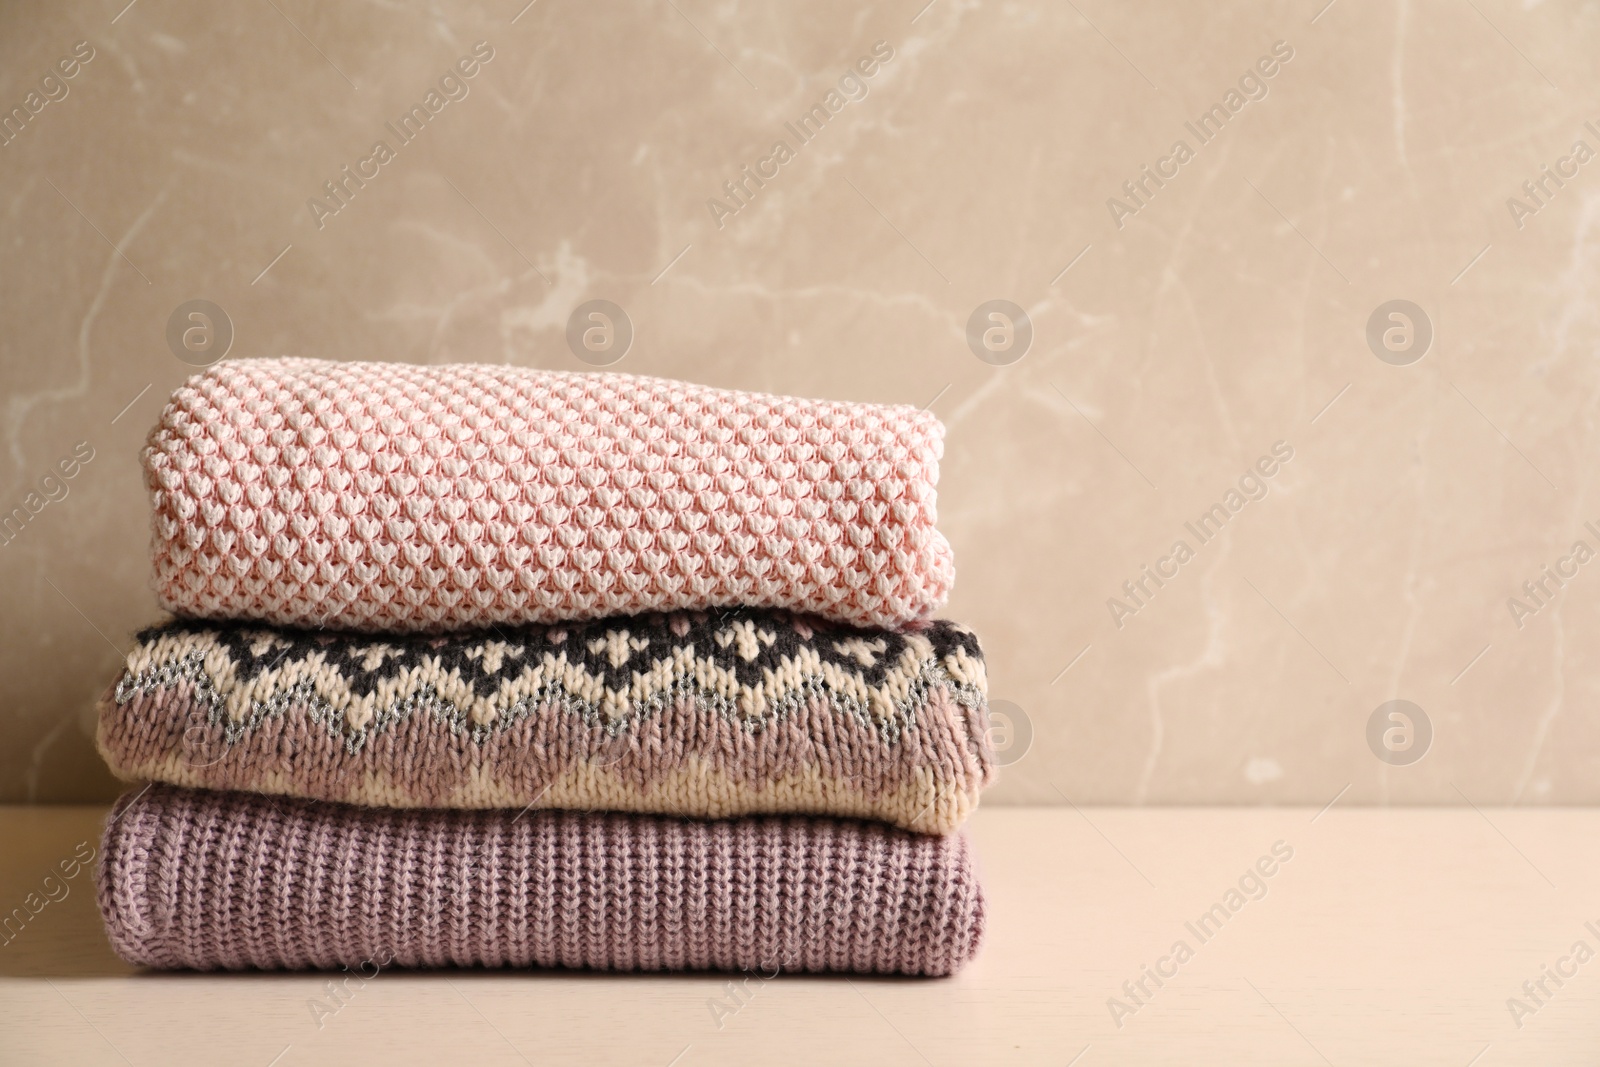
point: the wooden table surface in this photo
(1399, 936)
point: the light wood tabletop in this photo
(1116, 936)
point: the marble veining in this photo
(1170, 343)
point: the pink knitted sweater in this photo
(207, 880)
(383, 496)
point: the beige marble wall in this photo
(1201, 326)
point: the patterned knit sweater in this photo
(389, 497)
(692, 714)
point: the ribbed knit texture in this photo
(206, 880)
(380, 496)
(687, 714)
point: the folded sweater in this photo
(383, 496)
(205, 880)
(685, 714)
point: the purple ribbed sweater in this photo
(207, 880)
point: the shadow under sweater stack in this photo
(488, 665)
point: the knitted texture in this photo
(381, 496)
(206, 880)
(687, 714)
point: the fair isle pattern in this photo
(398, 498)
(692, 714)
(206, 880)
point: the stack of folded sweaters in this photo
(487, 665)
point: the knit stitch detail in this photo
(688, 714)
(209, 880)
(382, 496)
